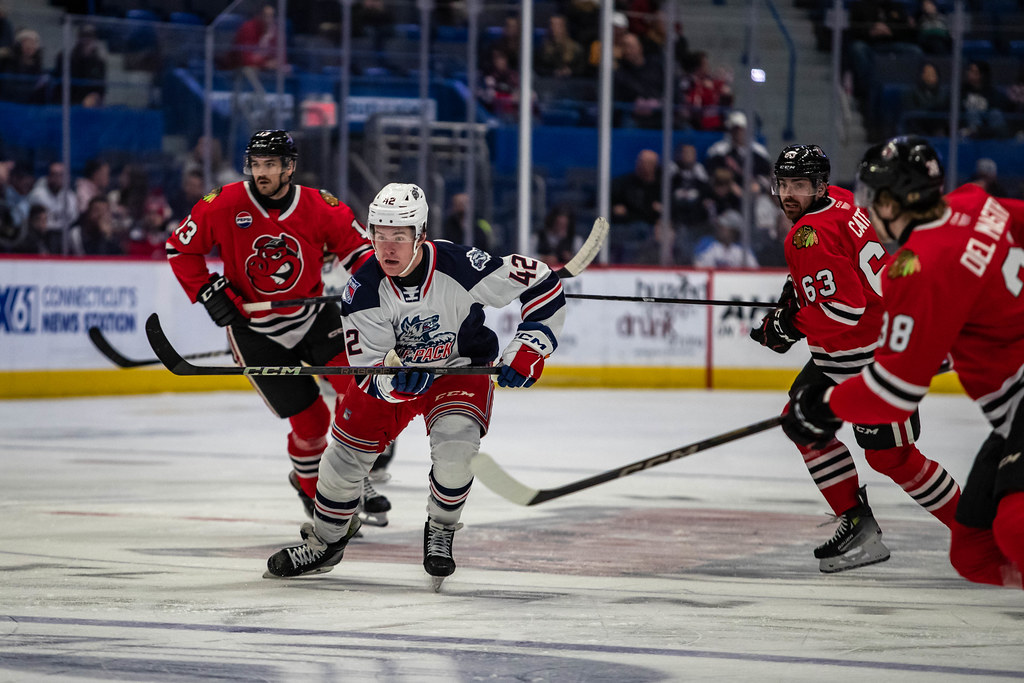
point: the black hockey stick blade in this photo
(509, 488)
(576, 265)
(664, 300)
(114, 356)
(588, 252)
(177, 364)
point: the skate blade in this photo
(374, 519)
(866, 555)
(319, 570)
(436, 581)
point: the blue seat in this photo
(187, 18)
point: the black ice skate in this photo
(307, 502)
(379, 471)
(373, 505)
(313, 556)
(437, 551)
(856, 543)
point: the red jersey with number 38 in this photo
(954, 287)
(268, 254)
(835, 262)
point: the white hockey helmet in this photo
(399, 204)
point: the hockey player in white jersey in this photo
(421, 303)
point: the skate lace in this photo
(844, 525)
(304, 554)
(369, 492)
(439, 541)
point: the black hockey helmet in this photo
(803, 161)
(271, 143)
(908, 167)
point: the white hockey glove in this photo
(523, 359)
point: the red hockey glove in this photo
(222, 302)
(777, 330)
(523, 359)
(809, 420)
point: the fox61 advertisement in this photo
(48, 305)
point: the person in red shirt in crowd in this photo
(835, 262)
(954, 287)
(272, 235)
(256, 40)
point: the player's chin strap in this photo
(415, 249)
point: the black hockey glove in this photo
(222, 302)
(777, 330)
(809, 420)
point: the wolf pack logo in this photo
(329, 198)
(906, 263)
(420, 342)
(275, 264)
(350, 290)
(243, 219)
(478, 258)
(805, 237)
(211, 195)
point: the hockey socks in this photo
(924, 480)
(307, 441)
(1008, 529)
(834, 473)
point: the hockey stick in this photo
(576, 265)
(663, 300)
(502, 483)
(112, 354)
(177, 364)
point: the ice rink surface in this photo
(136, 530)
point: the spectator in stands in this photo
(255, 41)
(147, 238)
(724, 193)
(7, 38)
(690, 186)
(507, 42)
(705, 96)
(986, 176)
(95, 180)
(34, 238)
(190, 191)
(127, 201)
(933, 30)
(583, 18)
(94, 233)
(639, 81)
(17, 188)
(21, 69)
(770, 227)
(876, 26)
(981, 104)
(557, 241)
(731, 151)
(559, 55)
(88, 68)
(1015, 92)
(620, 28)
(724, 250)
(927, 105)
(221, 171)
(636, 207)
(455, 225)
(501, 86)
(60, 202)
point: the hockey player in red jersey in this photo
(835, 262)
(954, 287)
(420, 304)
(271, 235)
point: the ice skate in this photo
(313, 556)
(437, 551)
(307, 502)
(373, 505)
(856, 543)
(379, 472)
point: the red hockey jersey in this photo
(268, 255)
(835, 262)
(954, 287)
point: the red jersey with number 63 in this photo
(268, 254)
(954, 287)
(835, 262)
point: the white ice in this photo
(135, 531)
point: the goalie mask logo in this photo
(905, 264)
(275, 264)
(805, 237)
(420, 342)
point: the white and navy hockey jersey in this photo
(440, 321)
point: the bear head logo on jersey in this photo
(275, 264)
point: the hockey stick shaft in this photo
(104, 346)
(177, 363)
(587, 253)
(664, 300)
(506, 486)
